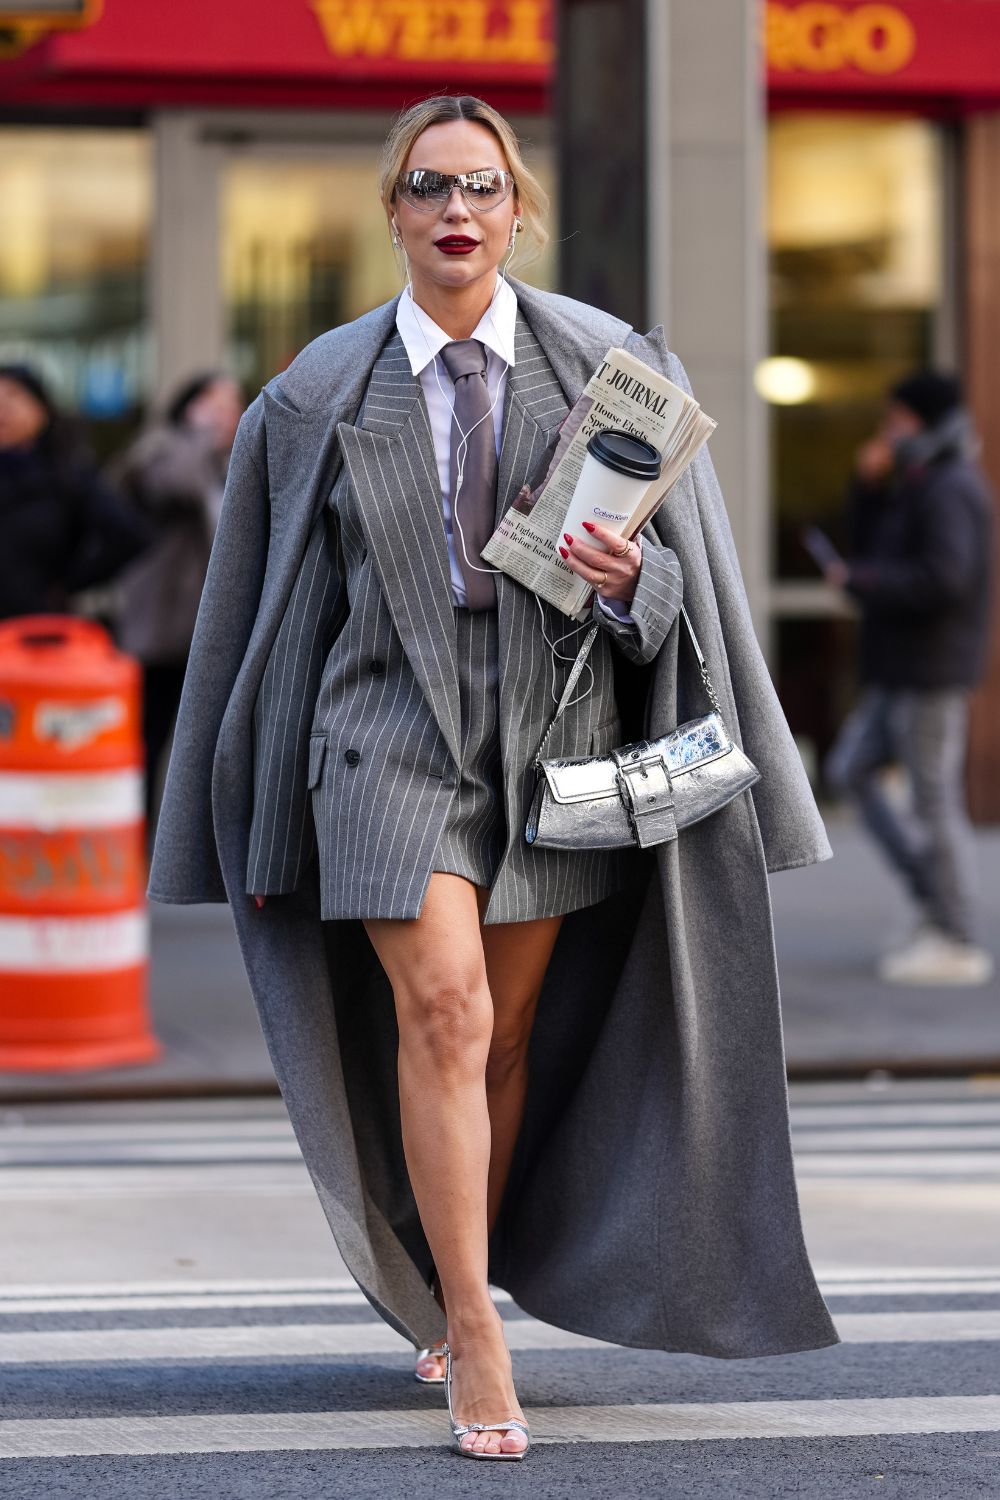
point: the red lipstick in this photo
(456, 244)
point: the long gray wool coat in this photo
(652, 1200)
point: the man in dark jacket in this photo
(921, 515)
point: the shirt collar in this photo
(423, 339)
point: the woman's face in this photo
(23, 419)
(454, 146)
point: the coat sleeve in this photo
(185, 865)
(655, 606)
(791, 829)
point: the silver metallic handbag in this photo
(641, 794)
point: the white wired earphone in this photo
(462, 449)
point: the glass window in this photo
(75, 208)
(855, 228)
(304, 248)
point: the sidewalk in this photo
(829, 922)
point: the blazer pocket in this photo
(317, 755)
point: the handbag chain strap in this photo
(580, 662)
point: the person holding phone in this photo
(921, 571)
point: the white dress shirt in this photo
(423, 341)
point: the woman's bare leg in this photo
(517, 956)
(437, 970)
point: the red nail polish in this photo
(567, 539)
(588, 525)
(563, 552)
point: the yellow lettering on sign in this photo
(436, 30)
(354, 28)
(825, 38)
(885, 39)
(21, 26)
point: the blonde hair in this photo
(532, 198)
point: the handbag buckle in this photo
(646, 790)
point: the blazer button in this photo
(376, 668)
(353, 757)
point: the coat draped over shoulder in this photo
(652, 1200)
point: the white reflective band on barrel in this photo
(73, 945)
(50, 800)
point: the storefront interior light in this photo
(784, 381)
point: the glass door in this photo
(856, 226)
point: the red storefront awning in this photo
(381, 53)
(304, 53)
(935, 50)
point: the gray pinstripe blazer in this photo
(359, 698)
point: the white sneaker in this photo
(904, 937)
(934, 957)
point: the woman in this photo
(174, 475)
(63, 529)
(634, 1182)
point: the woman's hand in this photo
(614, 577)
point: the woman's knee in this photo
(448, 1015)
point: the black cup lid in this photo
(625, 454)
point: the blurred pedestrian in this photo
(174, 475)
(63, 528)
(921, 517)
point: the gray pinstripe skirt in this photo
(474, 834)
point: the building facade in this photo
(192, 186)
(884, 254)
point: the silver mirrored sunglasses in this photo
(482, 190)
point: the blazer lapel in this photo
(390, 459)
(533, 409)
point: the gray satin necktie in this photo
(465, 361)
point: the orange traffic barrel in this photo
(74, 941)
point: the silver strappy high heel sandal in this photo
(436, 1351)
(459, 1429)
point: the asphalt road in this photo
(175, 1322)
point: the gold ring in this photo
(622, 550)
(604, 579)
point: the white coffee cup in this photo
(616, 474)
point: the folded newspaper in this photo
(624, 394)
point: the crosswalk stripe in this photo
(215, 1179)
(722, 1421)
(371, 1338)
(813, 1116)
(198, 1301)
(281, 1292)
(128, 1153)
(218, 1298)
(287, 1176)
(907, 1137)
(985, 1164)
